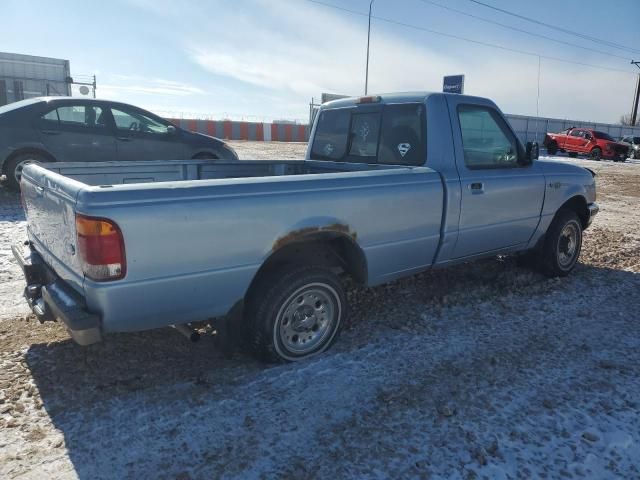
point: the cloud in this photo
(127, 85)
(313, 50)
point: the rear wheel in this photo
(295, 313)
(16, 164)
(552, 148)
(562, 244)
(596, 154)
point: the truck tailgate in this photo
(49, 200)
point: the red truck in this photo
(595, 144)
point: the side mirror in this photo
(532, 152)
(171, 130)
(588, 136)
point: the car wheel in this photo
(573, 154)
(295, 314)
(552, 148)
(596, 154)
(562, 244)
(636, 154)
(16, 164)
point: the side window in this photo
(486, 140)
(403, 131)
(138, 122)
(83, 116)
(330, 141)
(365, 130)
(577, 133)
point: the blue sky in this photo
(259, 59)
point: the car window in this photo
(365, 130)
(603, 136)
(83, 116)
(636, 140)
(577, 133)
(330, 140)
(403, 131)
(136, 121)
(486, 140)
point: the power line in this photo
(457, 37)
(516, 29)
(556, 27)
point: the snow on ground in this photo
(483, 370)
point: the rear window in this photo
(603, 136)
(392, 134)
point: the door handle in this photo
(51, 132)
(476, 187)
(124, 139)
(39, 191)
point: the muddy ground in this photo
(485, 370)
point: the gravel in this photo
(484, 370)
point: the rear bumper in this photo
(51, 298)
(593, 211)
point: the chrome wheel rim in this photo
(17, 172)
(568, 244)
(308, 319)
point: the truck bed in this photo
(115, 173)
(196, 232)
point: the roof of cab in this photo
(398, 97)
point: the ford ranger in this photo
(392, 185)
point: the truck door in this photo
(501, 200)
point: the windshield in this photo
(603, 136)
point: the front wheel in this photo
(552, 148)
(596, 154)
(295, 314)
(562, 244)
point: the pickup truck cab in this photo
(597, 145)
(392, 185)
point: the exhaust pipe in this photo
(188, 332)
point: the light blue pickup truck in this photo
(391, 185)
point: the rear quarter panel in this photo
(193, 247)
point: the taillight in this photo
(101, 248)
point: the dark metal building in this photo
(26, 76)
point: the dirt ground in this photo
(484, 370)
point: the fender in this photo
(24, 147)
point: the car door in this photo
(501, 198)
(77, 132)
(142, 136)
(575, 140)
(584, 141)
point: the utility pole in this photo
(366, 75)
(636, 97)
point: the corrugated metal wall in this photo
(527, 128)
(26, 76)
(232, 130)
(531, 129)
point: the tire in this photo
(15, 165)
(596, 154)
(295, 313)
(636, 154)
(562, 244)
(552, 148)
(573, 154)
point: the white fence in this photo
(531, 129)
